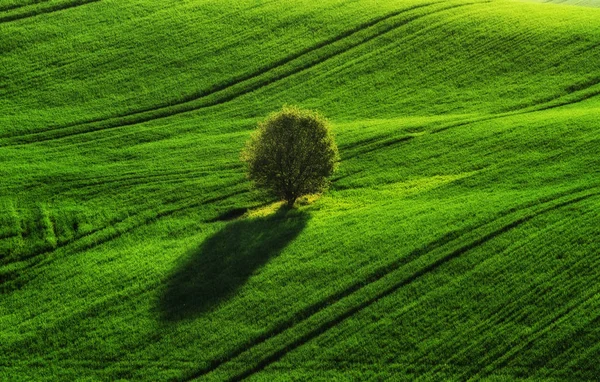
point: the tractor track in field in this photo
(581, 98)
(235, 81)
(554, 101)
(185, 105)
(546, 104)
(132, 181)
(579, 91)
(10, 280)
(434, 367)
(379, 274)
(528, 341)
(79, 186)
(13, 7)
(498, 316)
(377, 144)
(330, 324)
(115, 122)
(94, 180)
(47, 10)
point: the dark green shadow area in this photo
(225, 261)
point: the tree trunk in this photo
(290, 203)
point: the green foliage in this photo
(292, 153)
(458, 238)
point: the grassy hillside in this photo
(458, 239)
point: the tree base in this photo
(289, 204)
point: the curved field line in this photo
(377, 144)
(499, 315)
(98, 179)
(50, 9)
(12, 7)
(561, 316)
(98, 236)
(494, 322)
(322, 328)
(131, 181)
(578, 91)
(575, 93)
(587, 95)
(386, 271)
(240, 79)
(423, 358)
(525, 341)
(185, 106)
(545, 105)
(125, 181)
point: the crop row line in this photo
(574, 97)
(41, 11)
(11, 7)
(323, 315)
(504, 313)
(98, 236)
(322, 328)
(237, 80)
(228, 91)
(541, 329)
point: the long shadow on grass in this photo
(225, 261)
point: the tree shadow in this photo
(224, 262)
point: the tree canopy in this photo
(292, 153)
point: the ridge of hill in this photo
(458, 239)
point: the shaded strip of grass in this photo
(237, 80)
(328, 324)
(184, 106)
(12, 7)
(18, 278)
(41, 11)
(376, 276)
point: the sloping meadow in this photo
(457, 239)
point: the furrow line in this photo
(559, 100)
(99, 236)
(550, 103)
(499, 316)
(138, 180)
(377, 145)
(241, 79)
(186, 107)
(50, 9)
(235, 81)
(386, 271)
(13, 7)
(562, 316)
(328, 324)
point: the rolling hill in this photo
(458, 239)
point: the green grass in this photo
(458, 239)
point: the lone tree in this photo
(291, 154)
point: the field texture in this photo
(459, 238)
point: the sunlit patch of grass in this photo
(457, 239)
(265, 211)
(420, 185)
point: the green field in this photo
(460, 237)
